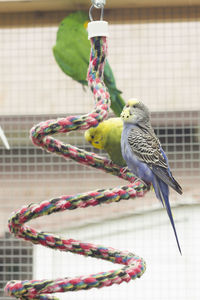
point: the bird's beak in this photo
(88, 137)
(125, 113)
(86, 24)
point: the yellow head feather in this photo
(132, 102)
(94, 136)
(97, 136)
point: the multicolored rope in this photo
(134, 266)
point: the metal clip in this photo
(98, 3)
(90, 13)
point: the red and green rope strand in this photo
(41, 135)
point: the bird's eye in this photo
(92, 136)
(134, 106)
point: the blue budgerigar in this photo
(142, 151)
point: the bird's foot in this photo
(141, 181)
(123, 170)
(110, 162)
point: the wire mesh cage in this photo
(154, 55)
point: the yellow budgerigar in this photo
(107, 136)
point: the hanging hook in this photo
(97, 4)
(90, 13)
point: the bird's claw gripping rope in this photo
(134, 266)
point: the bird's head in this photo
(95, 137)
(135, 112)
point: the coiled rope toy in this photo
(134, 266)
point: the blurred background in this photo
(154, 54)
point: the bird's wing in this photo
(146, 147)
(72, 49)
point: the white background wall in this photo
(169, 276)
(154, 55)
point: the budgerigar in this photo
(107, 136)
(142, 151)
(72, 53)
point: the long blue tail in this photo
(162, 193)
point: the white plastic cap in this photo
(97, 28)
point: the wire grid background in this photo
(154, 56)
(16, 260)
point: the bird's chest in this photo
(130, 158)
(138, 167)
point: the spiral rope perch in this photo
(134, 266)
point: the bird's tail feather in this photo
(162, 193)
(158, 191)
(166, 176)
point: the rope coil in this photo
(134, 266)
